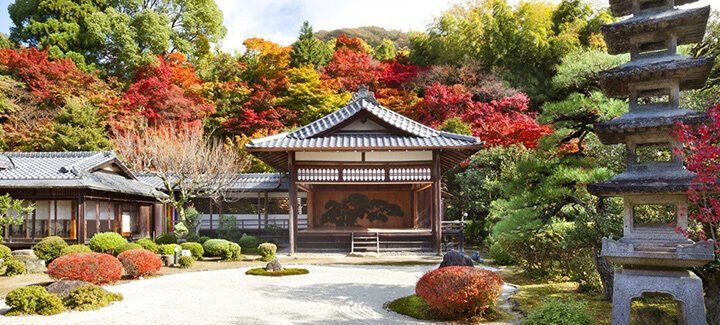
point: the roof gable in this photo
(363, 106)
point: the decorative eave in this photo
(687, 24)
(621, 8)
(691, 72)
(615, 131)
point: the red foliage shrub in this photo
(140, 262)
(459, 291)
(97, 268)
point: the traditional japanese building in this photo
(371, 178)
(78, 194)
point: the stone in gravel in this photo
(32, 263)
(274, 266)
(63, 288)
(455, 258)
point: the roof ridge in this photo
(78, 167)
(458, 136)
(50, 154)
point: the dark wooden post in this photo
(267, 197)
(292, 197)
(259, 210)
(436, 208)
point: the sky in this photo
(280, 20)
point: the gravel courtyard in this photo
(330, 294)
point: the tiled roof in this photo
(69, 170)
(251, 182)
(310, 136)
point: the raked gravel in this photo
(330, 294)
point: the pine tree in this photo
(77, 127)
(308, 49)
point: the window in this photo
(653, 153)
(107, 216)
(91, 223)
(241, 206)
(654, 215)
(44, 210)
(64, 219)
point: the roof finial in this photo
(364, 92)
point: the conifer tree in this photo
(308, 49)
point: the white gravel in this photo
(328, 295)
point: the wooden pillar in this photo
(436, 208)
(292, 198)
(259, 210)
(80, 224)
(267, 197)
(210, 206)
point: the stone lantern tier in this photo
(621, 8)
(661, 253)
(617, 130)
(657, 31)
(685, 72)
(651, 179)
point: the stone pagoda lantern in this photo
(654, 256)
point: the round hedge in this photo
(168, 238)
(13, 267)
(222, 248)
(186, 261)
(167, 249)
(140, 262)
(248, 241)
(456, 292)
(148, 244)
(267, 251)
(106, 242)
(5, 252)
(77, 248)
(127, 247)
(97, 268)
(33, 300)
(195, 248)
(49, 248)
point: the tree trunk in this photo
(607, 274)
(712, 297)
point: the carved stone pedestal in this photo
(685, 287)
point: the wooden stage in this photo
(353, 239)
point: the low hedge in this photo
(195, 248)
(289, 271)
(186, 261)
(13, 267)
(33, 300)
(140, 262)
(557, 312)
(165, 239)
(77, 248)
(106, 242)
(127, 247)
(90, 297)
(148, 244)
(267, 251)
(49, 248)
(97, 268)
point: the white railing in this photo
(251, 221)
(406, 174)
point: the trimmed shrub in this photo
(557, 312)
(289, 271)
(267, 251)
(5, 252)
(217, 247)
(247, 241)
(49, 248)
(90, 297)
(195, 248)
(13, 267)
(127, 247)
(77, 248)
(106, 242)
(166, 249)
(33, 300)
(203, 239)
(234, 252)
(456, 292)
(498, 254)
(148, 244)
(140, 262)
(186, 261)
(97, 268)
(169, 238)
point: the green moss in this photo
(412, 306)
(289, 271)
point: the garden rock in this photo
(28, 253)
(455, 258)
(31, 262)
(273, 266)
(63, 288)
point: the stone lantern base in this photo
(685, 288)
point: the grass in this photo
(289, 271)
(417, 308)
(533, 292)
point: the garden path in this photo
(330, 294)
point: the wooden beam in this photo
(292, 198)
